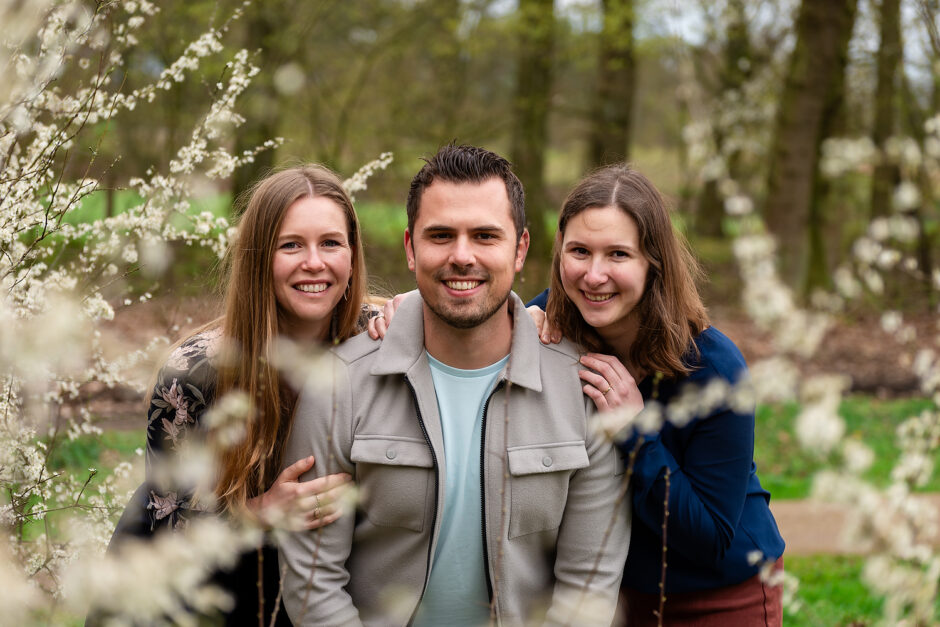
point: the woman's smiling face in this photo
(312, 265)
(603, 269)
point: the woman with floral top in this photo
(295, 270)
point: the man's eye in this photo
(440, 236)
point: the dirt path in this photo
(811, 527)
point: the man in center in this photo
(484, 489)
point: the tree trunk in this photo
(616, 84)
(925, 212)
(711, 210)
(531, 104)
(886, 176)
(260, 102)
(827, 201)
(822, 29)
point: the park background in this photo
(809, 123)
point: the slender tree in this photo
(735, 70)
(616, 84)
(531, 105)
(260, 30)
(817, 62)
(916, 117)
(886, 175)
(825, 200)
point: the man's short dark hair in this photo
(467, 164)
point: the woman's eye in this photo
(620, 254)
(331, 243)
(578, 250)
(289, 245)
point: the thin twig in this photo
(280, 594)
(621, 495)
(662, 577)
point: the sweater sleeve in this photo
(709, 460)
(184, 388)
(706, 491)
(314, 562)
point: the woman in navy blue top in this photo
(623, 287)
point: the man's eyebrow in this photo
(490, 228)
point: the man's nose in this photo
(462, 252)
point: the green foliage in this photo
(831, 591)
(102, 452)
(786, 469)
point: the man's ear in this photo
(409, 250)
(522, 249)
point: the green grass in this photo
(786, 469)
(831, 592)
(93, 206)
(77, 457)
(102, 452)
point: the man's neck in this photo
(469, 349)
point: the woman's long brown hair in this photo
(671, 313)
(250, 325)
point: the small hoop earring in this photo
(348, 290)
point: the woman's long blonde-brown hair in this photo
(671, 313)
(250, 325)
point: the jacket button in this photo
(391, 453)
(547, 461)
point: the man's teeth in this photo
(461, 285)
(312, 287)
(598, 298)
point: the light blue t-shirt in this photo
(456, 592)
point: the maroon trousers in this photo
(747, 604)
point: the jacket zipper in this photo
(486, 557)
(427, 438)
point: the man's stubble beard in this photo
(469, 319)
(472, 319)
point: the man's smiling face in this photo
(464, 250)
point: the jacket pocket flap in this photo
(540, 458)
(391, 451)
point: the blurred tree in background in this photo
(563, 86)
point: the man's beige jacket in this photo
(556, 523)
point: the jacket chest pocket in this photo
(394, 475)
(539, 485)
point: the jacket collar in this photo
(403, 345)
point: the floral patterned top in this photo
(184, 391)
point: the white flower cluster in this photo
(899, 528)
(55, 272)
(164, 580)
(357, 182)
